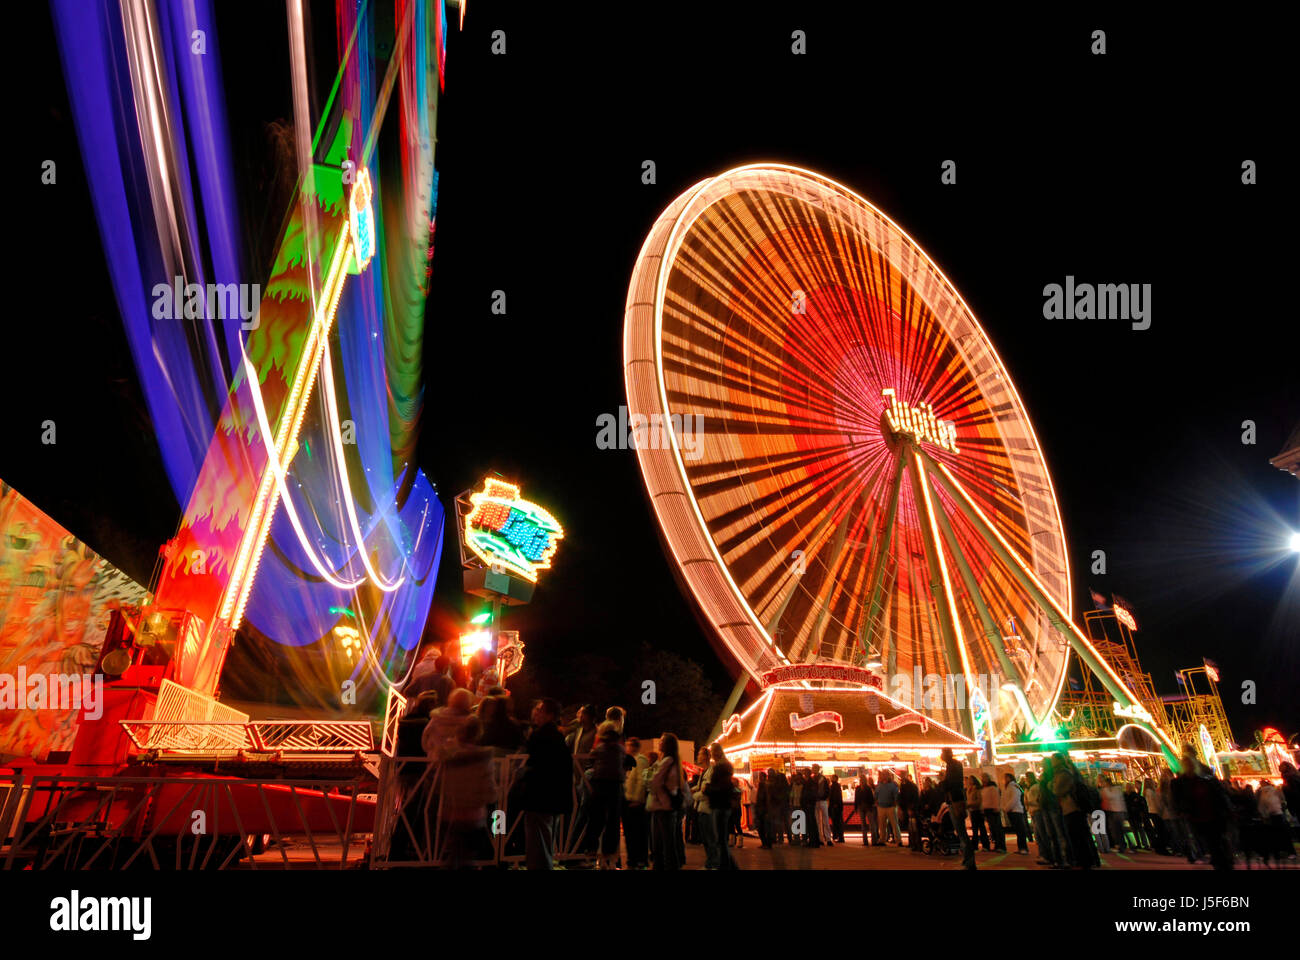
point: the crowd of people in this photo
(1073, 816)
(586, 785)
(583, 785)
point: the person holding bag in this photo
(665, 802)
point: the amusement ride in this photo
(868, 502)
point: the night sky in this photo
(1117, 169)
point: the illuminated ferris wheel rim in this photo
(836, 201)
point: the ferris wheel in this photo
(863, 488)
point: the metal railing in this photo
(185, 737)
(313, 736)
(11, 796)
(411, 830)
(187, 723)
(394, 710)
(120, 823)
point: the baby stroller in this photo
(938, 836)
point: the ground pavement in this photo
(854, 856)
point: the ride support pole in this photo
(1060, 620)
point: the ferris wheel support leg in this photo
(876, 606)
(1058, 617)
(991, 632)
(941, 588)
(729, 707)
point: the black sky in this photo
(1116, 169)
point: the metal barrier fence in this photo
(120, 823)
(218, 737)
(411, 831)
(11, 797)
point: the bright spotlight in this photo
(1295, 542)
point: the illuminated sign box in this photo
(513, 590)
(361, 220)
(509, 534)
(919, 422)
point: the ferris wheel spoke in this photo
(992, 636)
(835, 602)
(865, 521)
(1058, 615)
(796, 519)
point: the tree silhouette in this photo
(685, 702)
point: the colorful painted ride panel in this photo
(56, 595)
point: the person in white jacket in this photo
(991, 803)
(1013, 808)
(1112, 801)
(636, 821)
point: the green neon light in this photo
(481, 618)
(338, 78)
(343, 611)
(502, 551)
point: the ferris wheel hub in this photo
(915, 423)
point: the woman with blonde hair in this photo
(606, 791)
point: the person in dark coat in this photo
(955, 788)
(1137, 815)
(864, 800)
(808, 804)
(423, 673)
(440, 682)
(723, 804)
(836, 807)
(606, 792)
(548, 777)
(694, 832)
(500, 730)
(1291, 787)
(930, 799)
(909, 800)
(1204, 802)
(760, 810)
(778, 807)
